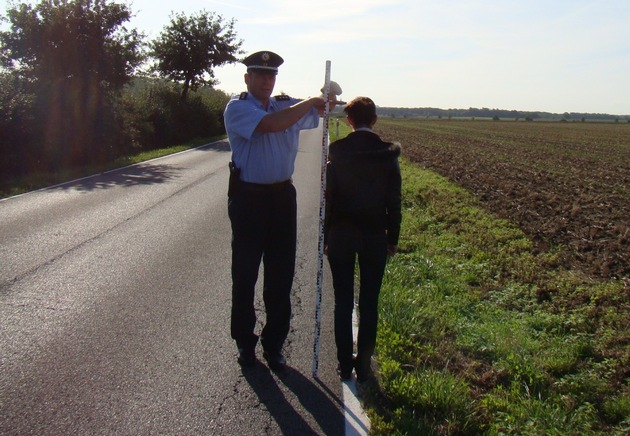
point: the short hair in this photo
(361, 110)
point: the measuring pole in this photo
(322, 214)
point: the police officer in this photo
(263, 132)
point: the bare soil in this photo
(564, 184)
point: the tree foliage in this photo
(77, 39)
(72, 55)
(191, 46)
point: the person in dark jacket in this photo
(363, 217)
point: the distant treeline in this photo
(494, 113)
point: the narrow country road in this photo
(115, 302)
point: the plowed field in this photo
(564, 184)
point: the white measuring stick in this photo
(322, 215)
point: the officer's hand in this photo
(319, 103)
(331, 100)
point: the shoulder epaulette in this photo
(282, 97)
(243, 96)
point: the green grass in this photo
(467, 346)
(42, 179)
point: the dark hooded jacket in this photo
(363, 185)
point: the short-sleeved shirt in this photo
(263, 157)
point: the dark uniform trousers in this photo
(346, 243)
(264, 227)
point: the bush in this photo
(71, 133)
(43, 132)
(156, 116)
(16, 121)
(41, 129)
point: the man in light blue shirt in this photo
(263, 132)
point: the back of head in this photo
(361, 110)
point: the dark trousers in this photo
(345, 244)
(264, 227)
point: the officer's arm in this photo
(282, 120)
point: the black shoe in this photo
(344, 374)
(364, 372)
(275, 361)
(246, 357)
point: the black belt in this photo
(264, 187)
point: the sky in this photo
(538, 55)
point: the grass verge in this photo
(478, 334)
(39, 180)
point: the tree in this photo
(190, 47)
(72, 39)
(73, 55)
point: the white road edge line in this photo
(357, 422)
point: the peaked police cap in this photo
(264, 62)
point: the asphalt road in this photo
(115, 302)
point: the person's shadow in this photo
(319, 401)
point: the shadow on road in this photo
(317, 402)
(143, 174)
(138, 174)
